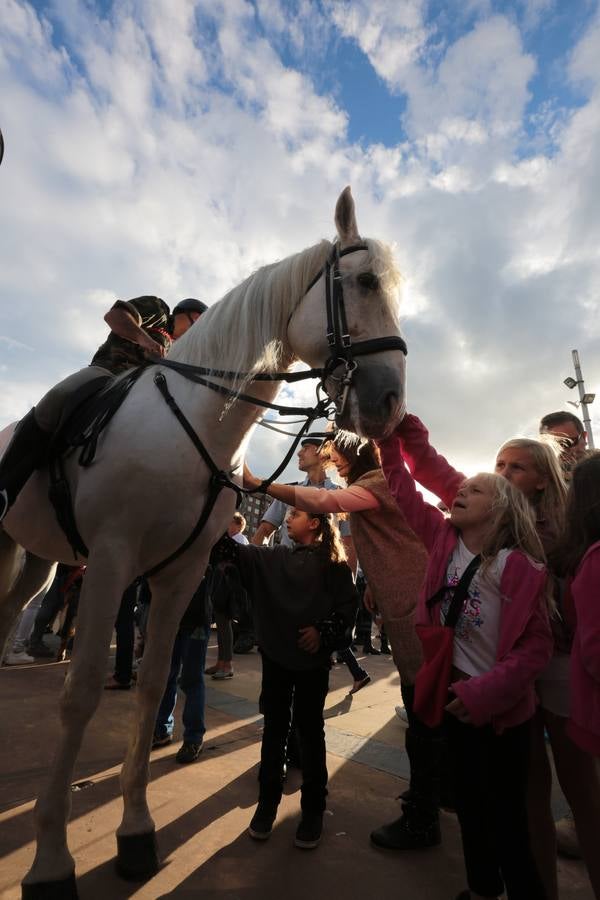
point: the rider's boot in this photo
(26, 451)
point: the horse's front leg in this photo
(52, 873)
(137, 850)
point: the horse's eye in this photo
(368, 280)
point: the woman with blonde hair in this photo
(533, 466)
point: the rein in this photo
(342, 353)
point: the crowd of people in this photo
(490, 603)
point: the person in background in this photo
(187, 670)
(579, 561)
(568, 429)
(221, 589)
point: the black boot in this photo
(26, 451)
(369, 649)
(418, 826)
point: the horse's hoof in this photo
(137, 856)
(65, 889)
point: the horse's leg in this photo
(52, 873)
(22, 576)
(137, 851)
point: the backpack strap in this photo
(459, 593)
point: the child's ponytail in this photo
(330, 539)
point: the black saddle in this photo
(86, 414)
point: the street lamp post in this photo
(584, 398)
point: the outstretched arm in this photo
(424, 519)
(312, 499)
(425, 464)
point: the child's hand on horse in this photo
(250, 480)
(309, 640)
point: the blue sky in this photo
(172, 146)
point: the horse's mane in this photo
(245, 331)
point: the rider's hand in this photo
(152, 348)
(250, 480)
(309, 640)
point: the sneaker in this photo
(39, 648)
(188, 752)
(261, 826)
(401, 713)
(308, 833)
(222, 674)
(212, 670)
(17, 658)
(161, 740)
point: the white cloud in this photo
(170, 150)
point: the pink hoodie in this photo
(504, 696)
(584, 724)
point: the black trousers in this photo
(125, 634)
(307, 690)
(490, 779)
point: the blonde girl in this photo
(502, 641)
(534, 468)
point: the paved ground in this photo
(202, 811)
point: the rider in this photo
(139, 327)
(185, 314)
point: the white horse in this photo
(142, 496)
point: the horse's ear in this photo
(345, 219)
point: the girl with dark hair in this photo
(304, 607)
(580, 559)
(394, 560)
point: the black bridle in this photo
(342, 351)
(339, 367)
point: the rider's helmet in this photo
(189, 305)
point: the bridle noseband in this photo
(341, 349)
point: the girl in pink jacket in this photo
(502, 642)
(581, 560)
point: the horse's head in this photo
(366, 311)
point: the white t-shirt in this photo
(478, 627)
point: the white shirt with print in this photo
(478, 627)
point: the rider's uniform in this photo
(116, 355)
